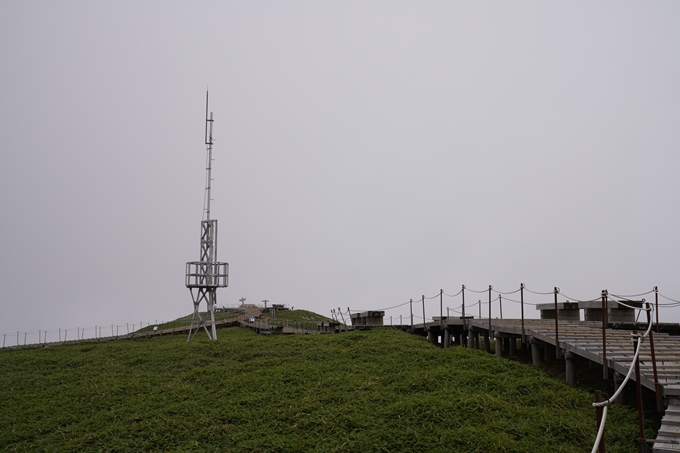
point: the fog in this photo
(366, 153)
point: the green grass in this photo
(375, 391)
(298, 316)
(185, 321)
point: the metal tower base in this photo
(209, 295)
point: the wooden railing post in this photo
(462, 291)
(605, 365)
(521, 301)
(656, 307)
(424, 325)
(657, 390)
(642, 441)
(557, 324)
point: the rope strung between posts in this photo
(635, 295)
(453, 295)
(518, 301)
(677, 302)
(478, 292)
(605, 404)
(510, 292)
(419, 300)
(539, 293)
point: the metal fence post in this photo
(521, 300)
(489, 311)
(557, 331)
(441, 310)
(656, 307)
(462, 291)
(657, 390)
(642, 441)
(605, 366)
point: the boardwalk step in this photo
(669, 431)
(665, 448)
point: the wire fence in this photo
(112, 331)
(413, 311)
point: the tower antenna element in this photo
(208, 165)
(203, 277)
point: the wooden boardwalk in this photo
(615, 351)
(585, 340)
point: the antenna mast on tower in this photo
(206, 275)
(208, 165)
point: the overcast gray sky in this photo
(366, 153)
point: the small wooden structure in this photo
(567, 311)
(328, 327)
(616, 312)
(368, 319)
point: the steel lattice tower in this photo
(205, 276)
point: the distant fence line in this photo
(38, 337)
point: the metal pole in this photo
(411, 307)
(343, 318)
(424, 325)
(479, 305)
(605, 366)
(489, 311)
(441, 310)
(521, 300)
(462, 291)
(208, 142)
(213, 301)
(642, 441)
(656, 307)
(657, 390)
(557, 331)
(500, 303)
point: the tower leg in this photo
(207, 295)
(211, 308)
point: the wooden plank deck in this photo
(585, 339)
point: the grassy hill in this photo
(380, 390)
(300, 316)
